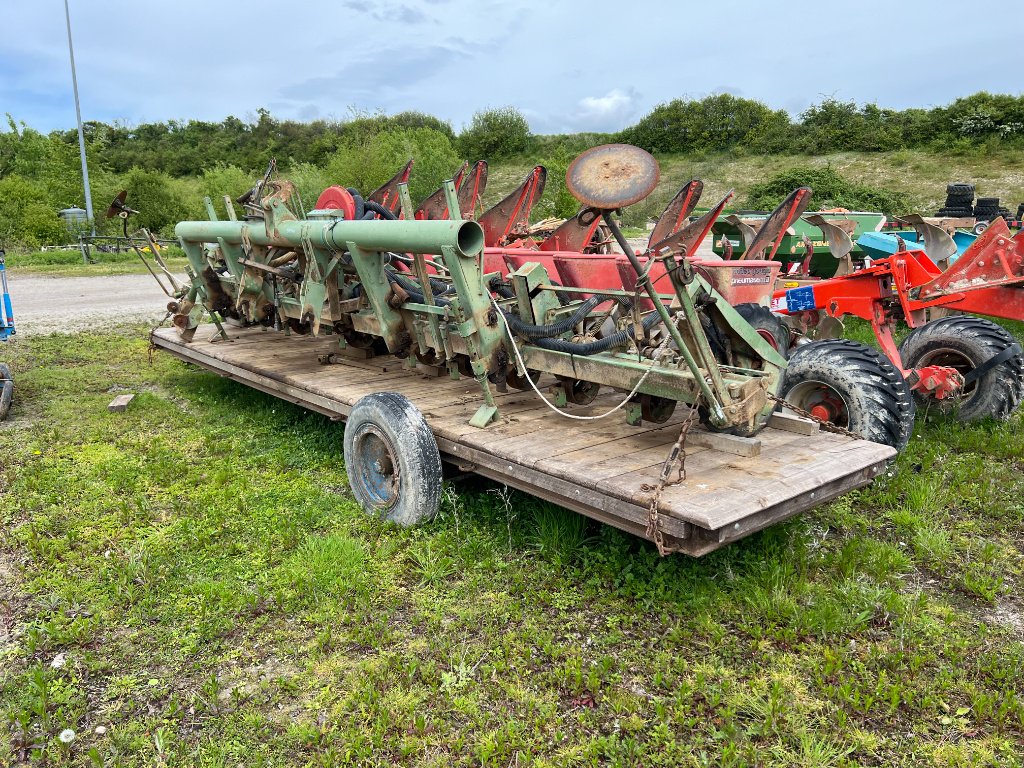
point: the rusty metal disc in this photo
(612, 176)
(118, 204)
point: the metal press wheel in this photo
(392, 460)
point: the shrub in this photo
(154, 195)
(717, 122)
(367, 162)
(831, 190)
(494, 134)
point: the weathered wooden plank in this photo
(596, 468)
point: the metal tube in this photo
(465, 237)
(714, 407)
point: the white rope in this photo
(548, 403)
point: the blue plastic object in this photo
(878, 245)
(6, 311)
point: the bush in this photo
(494, 134)
(223, 179)
(831, 190)
(154, 195)
(711, 124)
(368, 162)
(557, 200)
(836, 126)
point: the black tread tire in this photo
(762, 319)
(988, 202)
(957, 189)
(6, 390)
(997, 393)
(392, 419)
(879, 403)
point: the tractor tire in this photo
(965, 342)
(392, 461)
(852, 386)
(770, 327)
(1020, 212)
(6, 390)
(988, 202)
(960, 190)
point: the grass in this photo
(69, 263)
(189, 583)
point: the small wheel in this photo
(964, 342)
(298, 327)
(655, 409)
(6, 390)
(392, 461)
(980, 227)
(852, 386)
(580, 392)
(516, 381)
(768, 326)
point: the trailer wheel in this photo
(6, 390)
(966, 343)
(768, 326)
(392, 461)
(852, 386)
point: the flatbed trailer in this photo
(602, 469)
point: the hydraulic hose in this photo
(360, 205)
(414, 291)
(528, 331)
(379, 209)
(600, 345)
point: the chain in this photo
(828, 426)
(677, 454)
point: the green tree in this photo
(494, 134)
(367, 162)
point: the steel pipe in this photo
(466, 238)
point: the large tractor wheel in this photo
(392, 461)
(970, 344)
(852, 386)
(6, 390)
(768, 326)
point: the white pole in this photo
(81, 133)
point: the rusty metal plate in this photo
(612, 176)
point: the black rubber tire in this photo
(392, 461)
(877, 401)
(958, 189)
(988, 202)
(965, 342)
(1020, 212)
(767, 325)
(956, 212)
(6, 390)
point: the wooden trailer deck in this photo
(733, 487)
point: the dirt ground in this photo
(44, 305)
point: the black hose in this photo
(379, 209)
(528, 331)
(360, 204)
(414, 291)
(500, 287)
(600, 345)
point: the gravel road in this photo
(45, 305)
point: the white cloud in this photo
(608, 112)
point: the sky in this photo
(567, 66)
